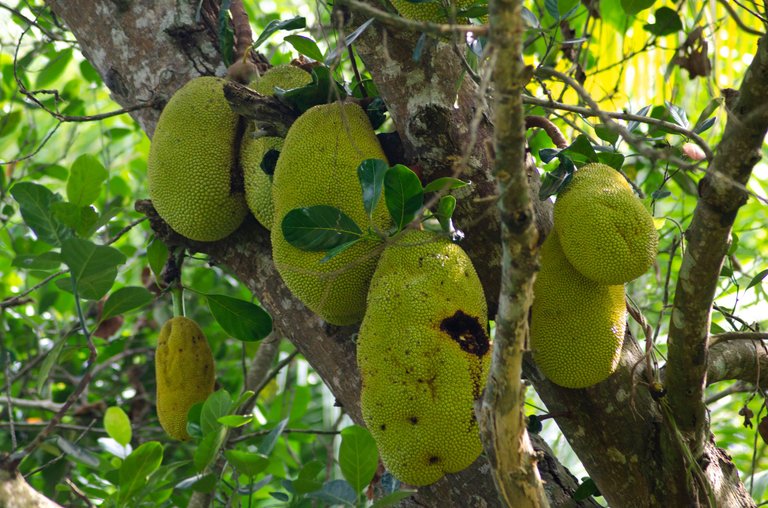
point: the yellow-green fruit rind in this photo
(258, 184)
(433, 12)
(184, 371)
(424, 353)
(282, 76)
(577, 325)
(190, 163)
(318, 166)
(605, 231)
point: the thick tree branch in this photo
(502, 422)
(743, 360)
(722, 194)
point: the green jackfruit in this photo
(281, 76)
(424, 354)
(257, 173)
(604, 229)
(577, 324)
(184, 371)
(318, 166)
(438, 11)
(190, 163)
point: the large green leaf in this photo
(35, 206)
(249, 464)
(117, 425)
(141, 463)
(94, 267)
(125, 299)
(319, 228)
(403, 194)
(633, 7)
(80, 218)
(305, 46)
(86, 179)
(216, 405)
(336, 492)
(208, 448)
(243, 320)
(275, 25)
(358, 456)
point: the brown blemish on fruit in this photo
(467, 331)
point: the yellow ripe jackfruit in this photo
(281, 76)
(424, 354)
(185, 373)
(191, 160)
(258, 181)
(318, 166)
(438, 11)
(577, 324)
(604, 229)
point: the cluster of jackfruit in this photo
(318, 166)
(192, 168)
(424, 353)
(440, 11)
(184, 372)
(603, 237)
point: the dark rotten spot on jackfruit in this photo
(467, 332)
(269, 161)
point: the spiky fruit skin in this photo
(184, 371)
(433, 12)
(190, 163)
(424, 353)
(605, 231)
(318, 166)
(577, 324)
(281, 76)
(258, 184)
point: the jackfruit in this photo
(318, 166)
(191, 160)
(577, 324)
(184, 371)
(257, 173)
(604, 229)
(424, 353)
(439, 11)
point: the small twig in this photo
(14, 300)
(35, 24)
(62, 426)
(78, 493)
(10, 400)
(45, 405)
(552, 130)
(737, 387)
(737, 19)
(251, 435)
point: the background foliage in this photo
(67, 190)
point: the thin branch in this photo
(34, 23)
(737, 19)
(45, 405)
(251, 435)
(724, 337)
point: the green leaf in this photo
(243, 320)
(358, 456)
(215, 406)
(403, 194)
(50, 360)
(445, 209)
(276, 25)
(318, 228)
(157, 255)
(208, 448)
(125, 299)
(9, 122)
(581, 151)
(193, 420)
(556, 179)
(86, 179)
(226, 34)
(307, 480)
(678, 114)
(117, 425)
(530, 19)
(613, 159)
(445, 183)
(371, 173)
(249, 464)
(305, 46)
(393, 498)
(80, 218)
(235, 420)
(94, 267)
(268, 443)
(46, 261)
(141, 463)
(606, 133)
(632, 125)
(57, 64)
(552, 8)
(77, 452)
(667, 22)
(632, 7)
(757, 279)
(35, 206)
(336, 492)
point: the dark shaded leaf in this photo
(705, 125)
(556, 179)
(613, 159)
(77, 452)
(757, 279)
(319, 228)
(268, 443)
(215, 406)
(667, 22)
(606, 133)
(249, 464)
(632, 125)
(226, 34)
(157, 255)
(35, 206)
(586, 490)
(338, 250)
(336, 492)
(403, 195)
(276, 25)
(371, 174)
(305, 46)
(633, 7)
(125, 299)
(243, 320)
(332, 56)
